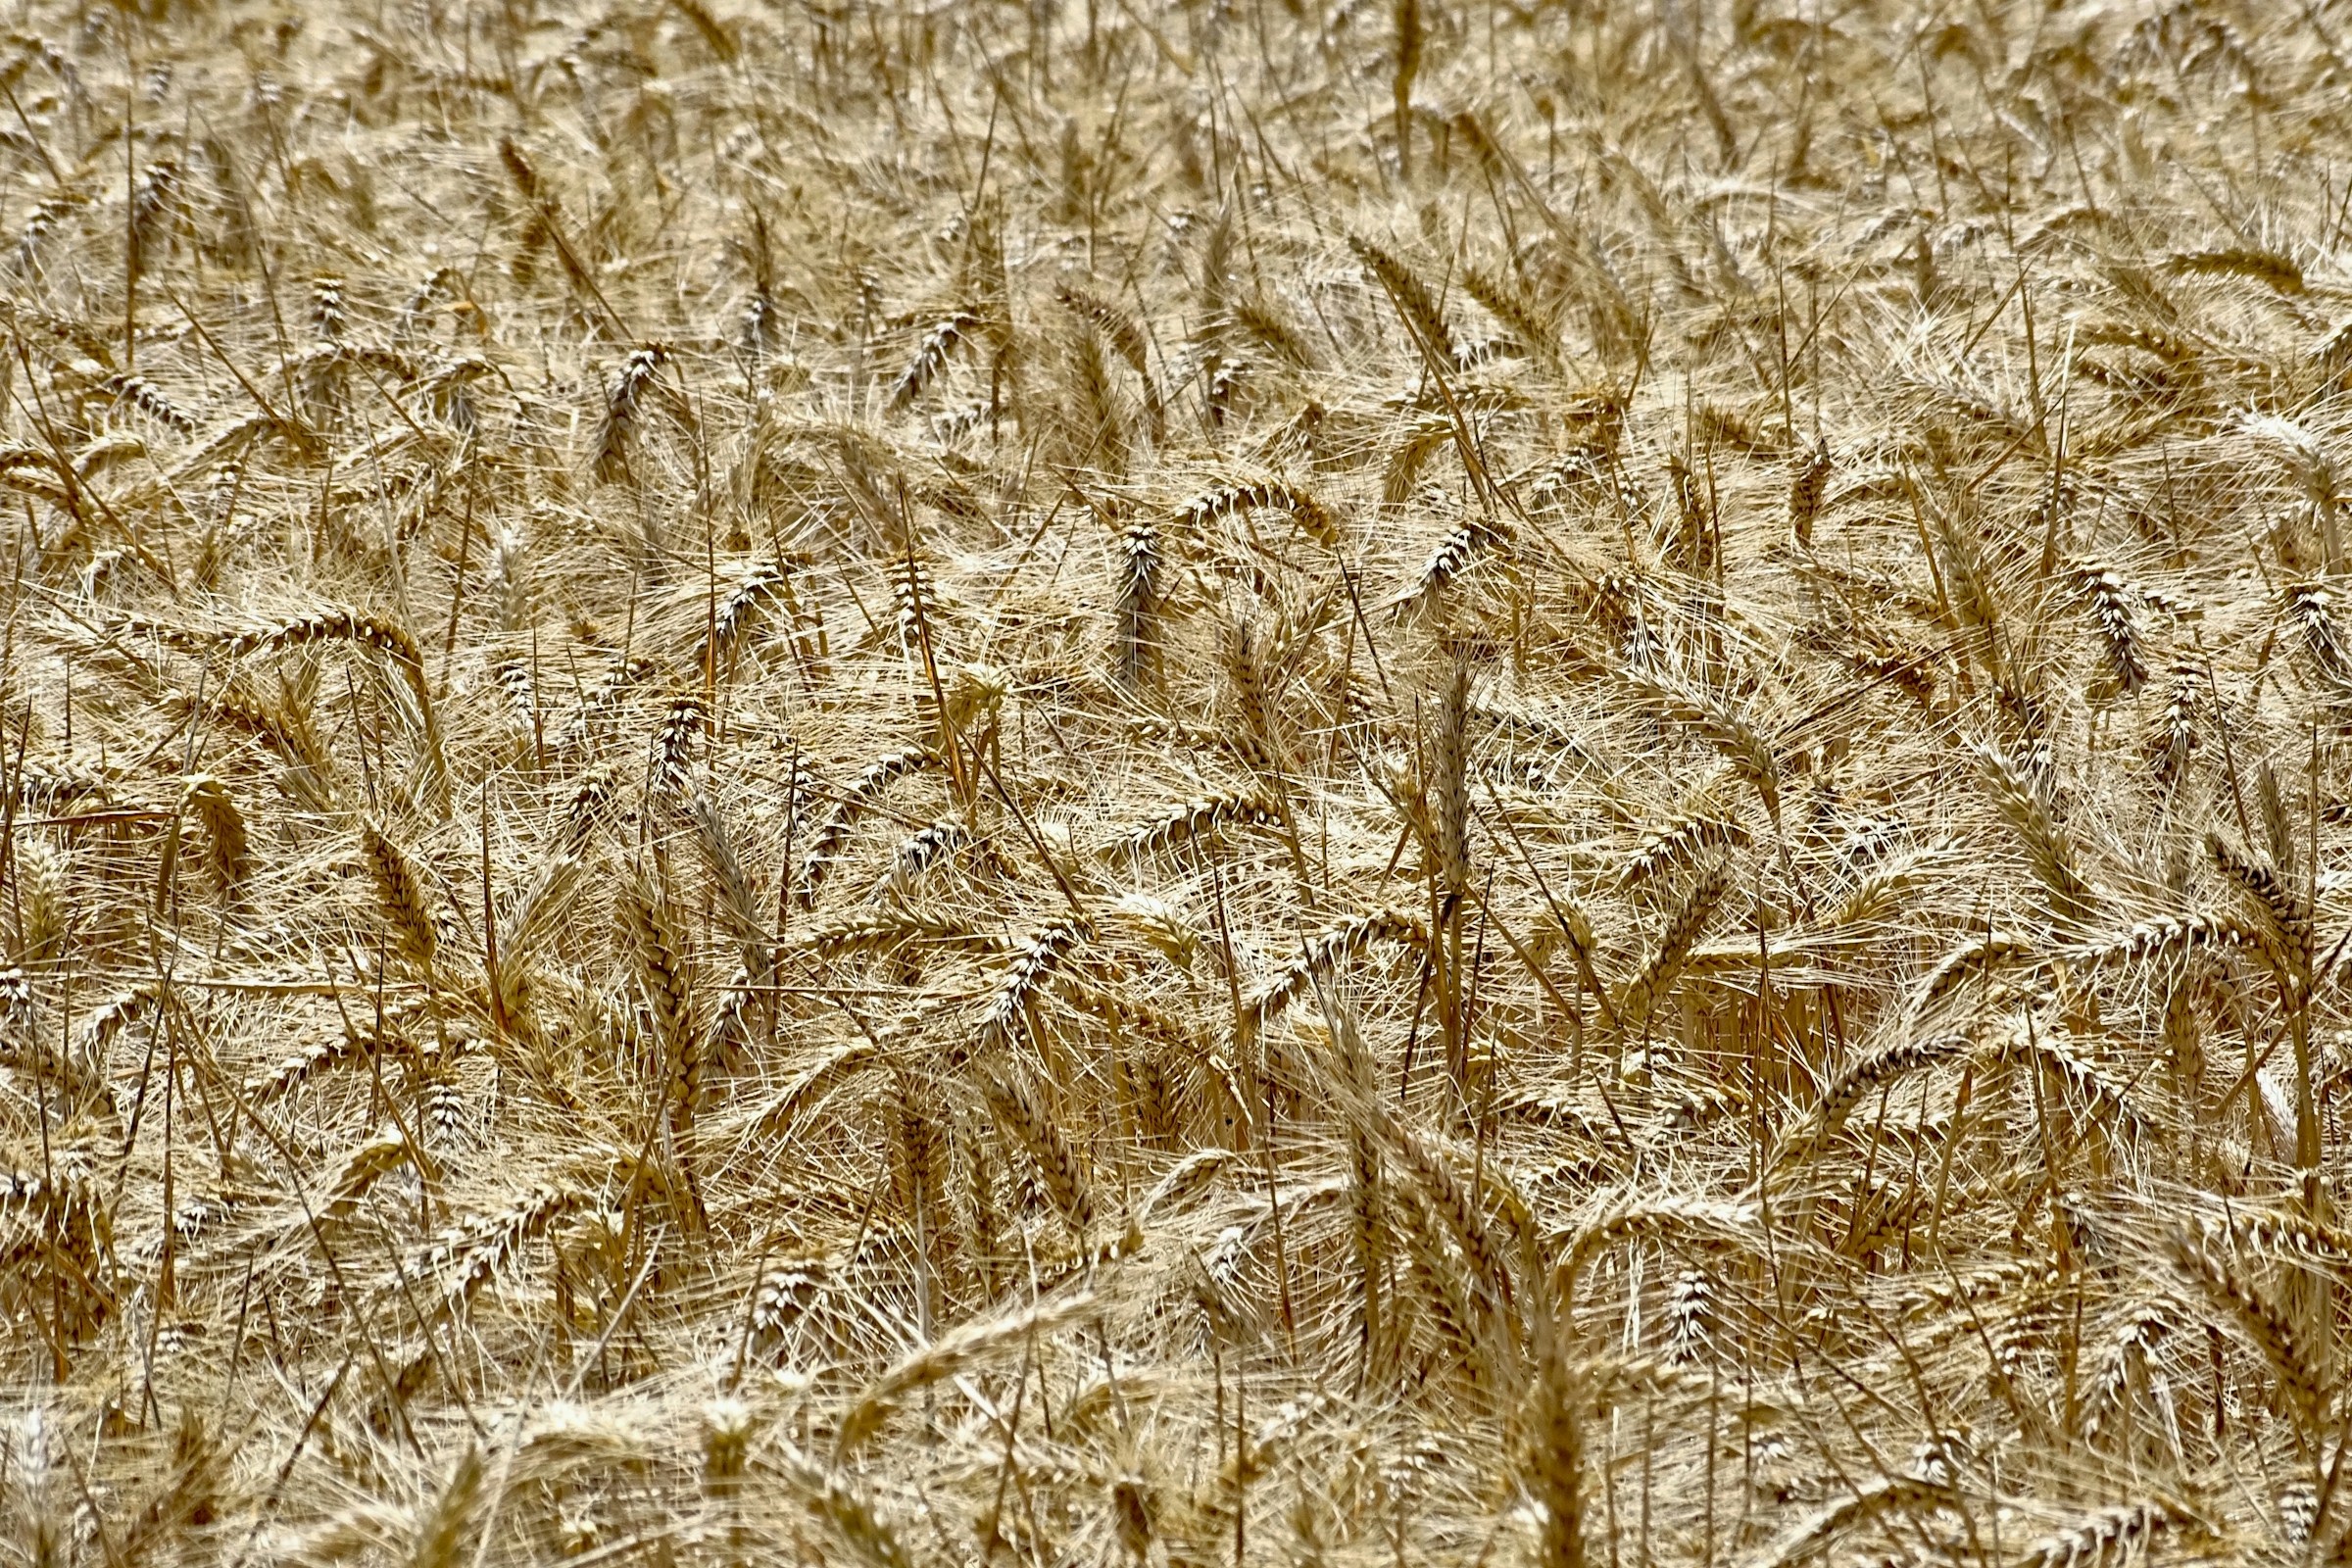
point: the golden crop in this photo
(1177, 782)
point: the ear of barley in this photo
(1461, 547)
(1650, 983)
(1453, 1205)
(1865, 1078)
(1138, 598)
(227, 850)
(2177, 734)
(1633, 1218)
(1556, 1461)
(1448, 781)
(650, 932)
(400, 894)
(79, 1077)
(2270, 268)
(38, 225)
(833, 833)
(326, 306)
(1976, 958)
(1414, 447)
(891, 927)
(291, 1071)
(671, 752)
(350, 626)
(2048, 849)
(598, 697)
(1405, 68)
(741, 905)
(1503, 299)
(2277, 821)
(1679, 844)
(835, 1498)
(2121, 1534)
(1229, 381)
(535, 917)
(917, 600)
(2283, 921)
(952, 1355)
(2298, 1238)
(1414, 302)
(931, 355)
(35, 472)
(1241, 496)
(1034, 967)
(1321, 951)
(624, 406)
(443, 1528)
(1892, 1496)
(1734, 733)
(1459, 1318)
(1263, 321)
(1185, 1181)
(1351, 1070)
(1015, 1106)
(2109, 599)
(1163, 925)
(589, 806)
(813, 1080)
(513, 679)
(1808, 489)
(106, 452)
(143, 395)
(2115, 1110)
(467, 1255)
(1248, 678)
(2257, 1320)
(918, 856)
(728, 1428)
(2127, 1360)
(2163, 941)
(1119, 328)
(741, 611)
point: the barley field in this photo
(1176, 782)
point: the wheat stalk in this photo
(646, 921)
(1413, 299)
(1321, 951)
(826, 842)
(2048, 850)
(1232, 499)
(1734, 734)
(1194, 820)
(952, 1355)
(1035, 966)
(400, 892)
(1065, 1177)
(1640, 995)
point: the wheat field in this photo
(1176, 782)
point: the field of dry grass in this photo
(1176, 782)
